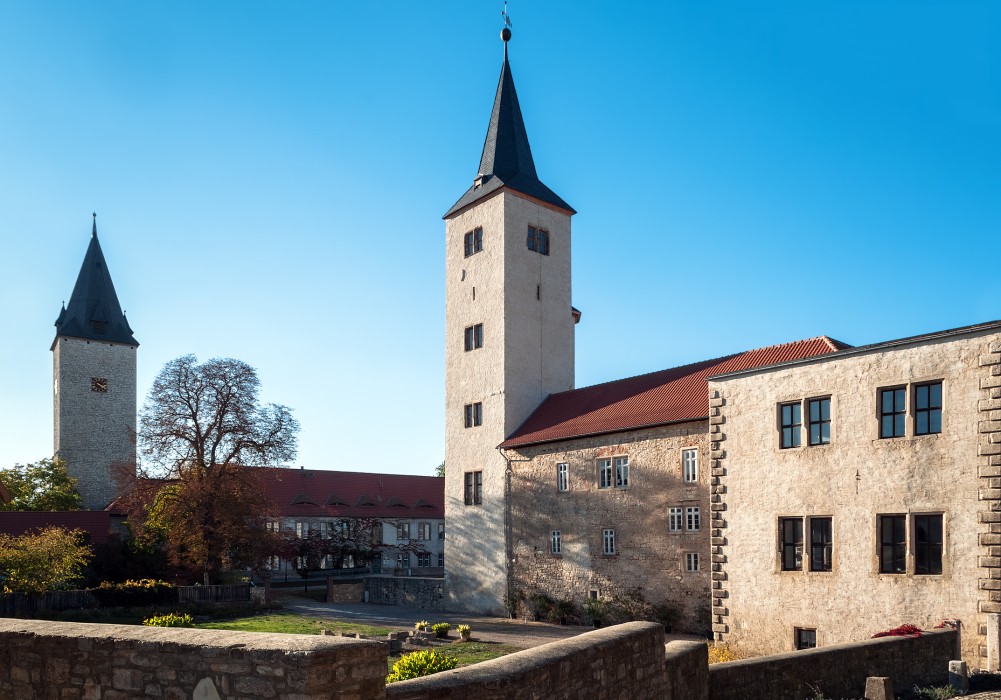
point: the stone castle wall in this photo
(648, 555)
(94, 430)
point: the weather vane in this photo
(504, 14)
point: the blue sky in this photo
(270, 178)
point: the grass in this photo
(467, 653)
(290, 623)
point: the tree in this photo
(36, 562)
(43, 485)
(201, 431)
(440, 470)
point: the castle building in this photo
(94, 382)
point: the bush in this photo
(134, 594)
(940, 693)
(719, 653)
(464, 630)
(441, 629)
(630, 606)
(422, 625)
(666, 614)
(563, 612)
(420, 663)
(541, 605)
(596, 609)
(169, 620)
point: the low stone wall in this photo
(686, 670)
(76, 661)
(625, 661)
(838, 671)
(344, 591)
(410, 592)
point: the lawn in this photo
(290, 623)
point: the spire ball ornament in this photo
(505, 35)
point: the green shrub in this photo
(666, 614)
(464, 630)
(441, 629)
(420, 663)
(541, 605)
(941, 693)
(564, 612)
(134, 594)
(169, 620)
(422, 625)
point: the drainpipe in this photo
(508, 528)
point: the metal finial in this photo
(506, 16)
(94, 230)
(506, 31)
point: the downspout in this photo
(509, 560)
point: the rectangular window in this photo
(821, 544)
(674, 519)
(562, 476)
(791, 530)
(791, 421)
(538, 240)
(473, 242)
(693, 518)
(604, 473)
(424, 531)
(441, 560)
(424, 560)
(691, 561)
(473, 489)
(819, 411)
(473, 414)
(805, 638)
(441, 531)
(403, 561)
(556, 544)
(608, 540)
(892, 410)
(690, 465)
(403, 531)
(928, 408)
(533, 238)
(543, 242)
(892, 544)
(621, 472)
(473, 337)
(927, 544)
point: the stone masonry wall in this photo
(625, 661)
(989, 471)
(408, 591)
(648, 555)
(75, 661)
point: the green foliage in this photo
(564, 612)
(420, 663)
(422, 625)
(464, 630)
(44, 485)
(47, 560)
(441, 629)
(144, 592)
(596, 609)
(939, 693)
(629, 606)
(541, 605)
(440, 470)
(666, 614)
(170, 620)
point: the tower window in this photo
(474, 337)
(538, 240)
(473, 488)
(473, 414)
(473, 241)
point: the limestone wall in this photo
(626, 661)
(408, 591)
(75, 661)
(649, 555)
(854, 480)
(838, 671)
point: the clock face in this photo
(99, 385)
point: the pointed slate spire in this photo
(507, 157)
(94, 312)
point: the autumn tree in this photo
(201, 431)
(46, 560)
(44, 485)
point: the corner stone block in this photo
(991, 358)
(878, 688)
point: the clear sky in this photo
(270, 178)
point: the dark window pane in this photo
(921, 423)
(815, 435)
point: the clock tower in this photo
(94, 382)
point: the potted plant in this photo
(422, 626)
(597, 610)
(511, 600)
(464, 632)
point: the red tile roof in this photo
(314, 493)
(669, 396)
(97, 523)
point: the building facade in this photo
(94, 383)
(859, 491)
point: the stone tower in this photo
(509, 341)
(94, 382)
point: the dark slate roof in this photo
(94, 312)
(669, 396)
(507, 157)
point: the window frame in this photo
(791, 430)
(621, 471)
(441, 531)
(473, 488)
(804, 638)
(473, 414)
(605, 473)
(402, 531)
(897, 417)
(930, 409)
(690, 467)
(675, 516)
(424, 531)
(691, 562)
(472, 337)
(819, 422)
(693, 515)
(788, 545)
(555, 542)
(563, 477)
(824, 546)
(608, 548)
(424, 560)
(472, 242)
(932, 548)
(896, 563)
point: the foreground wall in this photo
(117, 662)
(838, 671)
(625, 661)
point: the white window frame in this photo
(563, 476)
(621, 472)
(675, 519)
(693, 518)
(424, 531)
(608, 542)
(690, 465)
(404, 530)
(691, 561)
(424, 560)
(555, 542)
(605, 473)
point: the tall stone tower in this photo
(94, 382)
(509, 341)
